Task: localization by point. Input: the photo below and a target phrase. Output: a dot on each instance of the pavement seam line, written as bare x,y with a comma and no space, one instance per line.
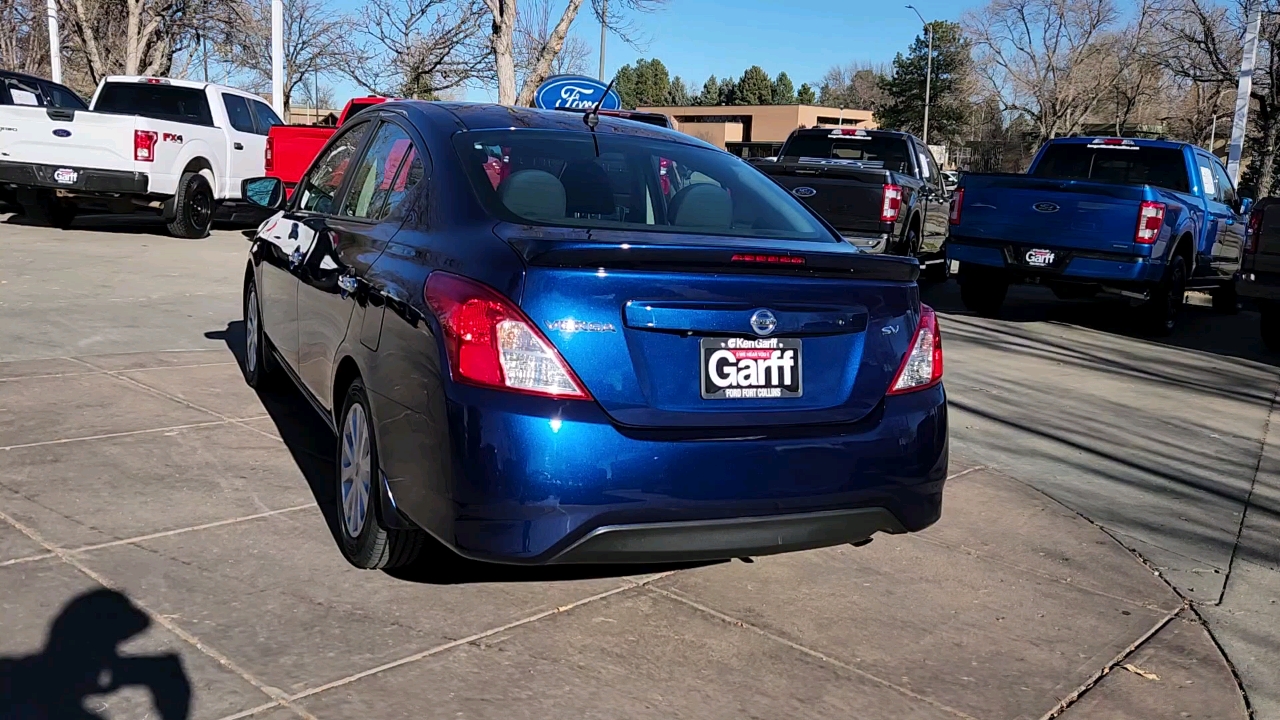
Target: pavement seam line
193,528
1094,679
159,619
1248,499
104,372
27,559
175,398
808,651
106,436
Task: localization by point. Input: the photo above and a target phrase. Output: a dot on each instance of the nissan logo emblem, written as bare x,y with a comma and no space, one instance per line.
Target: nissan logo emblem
763,322
804,192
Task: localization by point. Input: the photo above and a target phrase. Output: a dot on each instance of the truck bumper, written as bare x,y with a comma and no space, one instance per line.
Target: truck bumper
73,179
1259,286
1068,265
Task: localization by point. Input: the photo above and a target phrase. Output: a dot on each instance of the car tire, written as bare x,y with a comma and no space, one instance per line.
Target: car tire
983,290
193,207
1226,301
259,366
1270,325
1161,311
365,543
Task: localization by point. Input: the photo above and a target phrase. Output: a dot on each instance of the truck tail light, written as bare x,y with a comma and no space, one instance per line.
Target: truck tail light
1251,232
1150,220
957,205
922,367
892,204
144,145
492,344
269,158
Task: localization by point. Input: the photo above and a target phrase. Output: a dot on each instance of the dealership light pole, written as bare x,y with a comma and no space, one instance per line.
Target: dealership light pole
277,57
1245,86
604,25
55,42
928,73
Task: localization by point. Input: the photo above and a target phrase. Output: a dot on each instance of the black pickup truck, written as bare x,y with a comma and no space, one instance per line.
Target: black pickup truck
882,190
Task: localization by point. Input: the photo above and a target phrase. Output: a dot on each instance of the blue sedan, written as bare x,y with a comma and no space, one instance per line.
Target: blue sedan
544,337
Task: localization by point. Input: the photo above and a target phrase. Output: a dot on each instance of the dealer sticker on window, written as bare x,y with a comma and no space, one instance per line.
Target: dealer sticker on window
750,368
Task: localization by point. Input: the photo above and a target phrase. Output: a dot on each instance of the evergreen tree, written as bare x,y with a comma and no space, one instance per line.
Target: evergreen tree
903,106
754,87
727,92
678,95
784,92
710,92
653,83
806,95
624,83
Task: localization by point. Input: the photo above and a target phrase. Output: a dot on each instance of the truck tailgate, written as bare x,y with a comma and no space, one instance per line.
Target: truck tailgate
1068,214
84,140
848,197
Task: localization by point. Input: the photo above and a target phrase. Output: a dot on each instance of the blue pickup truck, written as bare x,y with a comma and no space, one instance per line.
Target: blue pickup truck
1146,219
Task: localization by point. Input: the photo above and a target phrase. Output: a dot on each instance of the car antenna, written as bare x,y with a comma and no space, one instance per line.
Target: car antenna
592,116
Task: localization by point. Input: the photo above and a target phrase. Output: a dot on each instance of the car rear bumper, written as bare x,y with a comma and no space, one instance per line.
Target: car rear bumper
86,180
1259,286
1070,264
525,485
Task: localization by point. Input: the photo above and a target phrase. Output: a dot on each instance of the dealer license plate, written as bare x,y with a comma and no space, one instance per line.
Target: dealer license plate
1040,258
65,176
751,368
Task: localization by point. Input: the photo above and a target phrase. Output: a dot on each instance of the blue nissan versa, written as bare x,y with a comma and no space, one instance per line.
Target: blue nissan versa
541,339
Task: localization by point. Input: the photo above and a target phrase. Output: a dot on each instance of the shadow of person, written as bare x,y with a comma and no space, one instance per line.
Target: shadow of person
81,659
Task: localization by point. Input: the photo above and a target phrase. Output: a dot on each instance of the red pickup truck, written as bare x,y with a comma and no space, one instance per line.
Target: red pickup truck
291,148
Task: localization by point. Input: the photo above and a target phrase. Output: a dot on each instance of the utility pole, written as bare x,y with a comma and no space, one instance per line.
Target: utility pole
277,57
928,73
55,42
1245,86
604,26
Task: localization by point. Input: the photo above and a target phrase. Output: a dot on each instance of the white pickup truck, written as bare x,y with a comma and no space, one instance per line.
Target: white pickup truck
176,147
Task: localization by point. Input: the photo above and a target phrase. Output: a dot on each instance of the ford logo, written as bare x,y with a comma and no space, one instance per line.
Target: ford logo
804,192
576,92
1045,207
62,133
763,322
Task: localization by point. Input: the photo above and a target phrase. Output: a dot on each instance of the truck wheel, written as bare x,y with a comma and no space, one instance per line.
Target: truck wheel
1270,326
193,207
1162,310
1225,300
982,290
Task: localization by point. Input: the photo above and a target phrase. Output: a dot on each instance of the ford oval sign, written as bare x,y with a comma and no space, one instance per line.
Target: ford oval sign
804,192
576,92
60,132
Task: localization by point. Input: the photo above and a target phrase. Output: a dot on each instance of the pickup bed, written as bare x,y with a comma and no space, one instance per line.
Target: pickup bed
881,190
174,147
1145,219
292,148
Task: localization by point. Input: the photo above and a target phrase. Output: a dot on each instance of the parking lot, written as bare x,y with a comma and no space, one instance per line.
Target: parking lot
1109,547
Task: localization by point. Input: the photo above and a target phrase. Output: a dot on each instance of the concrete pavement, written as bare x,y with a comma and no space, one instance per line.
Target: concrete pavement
161,475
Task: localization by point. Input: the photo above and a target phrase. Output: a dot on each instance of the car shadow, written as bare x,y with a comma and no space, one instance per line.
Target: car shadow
125,224
312,444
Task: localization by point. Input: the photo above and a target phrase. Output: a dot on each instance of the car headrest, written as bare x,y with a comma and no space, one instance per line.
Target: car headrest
701,205
533,194
587,189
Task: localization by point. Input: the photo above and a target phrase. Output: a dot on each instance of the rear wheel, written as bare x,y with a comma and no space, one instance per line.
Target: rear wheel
1162,310
193,207
982,290
259,366
365,543
1226,300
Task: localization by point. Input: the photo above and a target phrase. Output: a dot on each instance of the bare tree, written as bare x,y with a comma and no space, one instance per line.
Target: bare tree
316,41
1053,60
418,48
23,45
129,37
853,86
533,32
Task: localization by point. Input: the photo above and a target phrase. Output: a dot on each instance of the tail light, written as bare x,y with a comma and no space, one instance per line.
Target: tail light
144,145
1251,233
922,367
269,158
492,344
957,204
892,204
1150,220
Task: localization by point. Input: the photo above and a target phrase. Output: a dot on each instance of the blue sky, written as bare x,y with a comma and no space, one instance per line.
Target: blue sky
696,38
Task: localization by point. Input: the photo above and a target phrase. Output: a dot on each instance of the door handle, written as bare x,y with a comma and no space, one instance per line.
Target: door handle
348,283
295,258
238,146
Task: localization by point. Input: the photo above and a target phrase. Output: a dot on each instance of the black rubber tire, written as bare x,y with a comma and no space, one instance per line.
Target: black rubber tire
261,371
1074,292
52,211
983,290
1270,325
1161,311
906,247
194,206
375,547
1226,301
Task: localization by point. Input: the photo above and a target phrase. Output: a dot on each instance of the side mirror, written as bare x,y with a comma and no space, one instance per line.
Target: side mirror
1246,204
265,192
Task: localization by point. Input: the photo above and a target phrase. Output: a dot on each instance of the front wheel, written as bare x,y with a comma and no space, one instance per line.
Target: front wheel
365,543
1162,310
259,366
193,207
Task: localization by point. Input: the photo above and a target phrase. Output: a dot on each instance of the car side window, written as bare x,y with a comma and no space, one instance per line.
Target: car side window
1208,179
1226,192
318,190
238,112
379,183
24,93
265,116
60,97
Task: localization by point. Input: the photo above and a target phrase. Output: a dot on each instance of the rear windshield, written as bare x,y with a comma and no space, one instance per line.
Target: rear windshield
1120,164
160,102
628,182
869,151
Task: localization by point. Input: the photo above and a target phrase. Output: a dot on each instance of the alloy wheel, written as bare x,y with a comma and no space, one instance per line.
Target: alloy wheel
355,471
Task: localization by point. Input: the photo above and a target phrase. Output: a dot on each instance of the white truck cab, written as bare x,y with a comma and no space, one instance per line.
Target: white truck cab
175,146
